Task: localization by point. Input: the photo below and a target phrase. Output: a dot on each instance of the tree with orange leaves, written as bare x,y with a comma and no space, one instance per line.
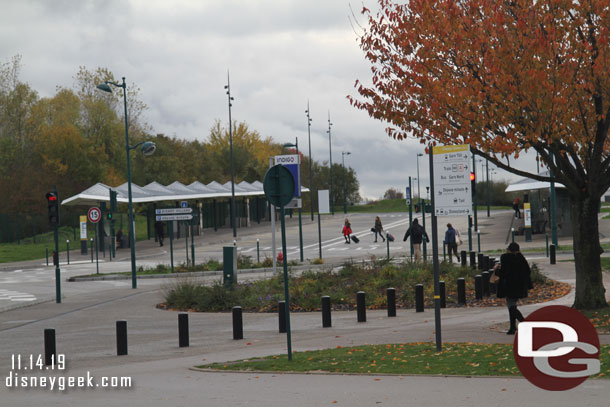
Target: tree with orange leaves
504,77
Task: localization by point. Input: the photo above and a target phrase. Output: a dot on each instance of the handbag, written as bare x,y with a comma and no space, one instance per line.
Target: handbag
373,230
458,238
493,278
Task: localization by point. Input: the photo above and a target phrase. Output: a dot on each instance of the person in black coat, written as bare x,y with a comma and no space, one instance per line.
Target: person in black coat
159,232
514,282
417,234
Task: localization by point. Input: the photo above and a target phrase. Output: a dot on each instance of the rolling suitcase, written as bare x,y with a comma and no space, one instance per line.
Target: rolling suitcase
355,239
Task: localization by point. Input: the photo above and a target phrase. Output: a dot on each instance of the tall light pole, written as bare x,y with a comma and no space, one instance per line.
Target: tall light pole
343,154
418,193
230,99
330,149
488,187
310,174
148,148
296,145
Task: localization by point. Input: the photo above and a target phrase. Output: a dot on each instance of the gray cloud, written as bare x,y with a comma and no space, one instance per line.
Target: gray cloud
280,53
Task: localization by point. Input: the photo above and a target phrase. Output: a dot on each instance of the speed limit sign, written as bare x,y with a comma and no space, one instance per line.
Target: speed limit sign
94,215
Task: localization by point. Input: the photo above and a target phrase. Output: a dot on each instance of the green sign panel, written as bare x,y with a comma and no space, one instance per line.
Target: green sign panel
278,185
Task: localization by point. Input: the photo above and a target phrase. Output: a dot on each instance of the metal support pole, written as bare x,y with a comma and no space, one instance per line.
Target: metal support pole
319,235
478,287
411,215
391,298
238,327
419,298
121,338
171,244
183,330
443,295
50,349
461,289
388,244
326,316
281,313
361,306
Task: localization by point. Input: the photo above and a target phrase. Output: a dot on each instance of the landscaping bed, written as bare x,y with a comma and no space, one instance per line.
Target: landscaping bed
373,277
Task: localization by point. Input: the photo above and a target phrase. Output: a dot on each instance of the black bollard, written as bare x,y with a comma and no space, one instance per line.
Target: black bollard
461,288
478,287
50,351
463,257
553,253
486,263
361,305
419,298
281,316
183,330
442,293
391,295
480,261
473,260
326,319
238,328
485,277
121,338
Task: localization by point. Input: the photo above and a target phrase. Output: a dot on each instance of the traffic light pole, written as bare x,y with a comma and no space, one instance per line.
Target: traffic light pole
57,269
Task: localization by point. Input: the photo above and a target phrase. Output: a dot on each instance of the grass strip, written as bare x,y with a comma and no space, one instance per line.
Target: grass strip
459,359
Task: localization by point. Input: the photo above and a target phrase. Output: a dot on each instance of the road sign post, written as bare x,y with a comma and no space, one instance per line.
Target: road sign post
451,196
279,189
94,215
293,164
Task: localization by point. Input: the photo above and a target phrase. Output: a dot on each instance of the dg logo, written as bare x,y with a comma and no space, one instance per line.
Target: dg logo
557,348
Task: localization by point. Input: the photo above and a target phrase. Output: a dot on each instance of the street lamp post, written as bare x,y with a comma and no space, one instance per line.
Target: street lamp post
330,150
488,187
148,148
230,99
343,154
310,174
418,193
296,145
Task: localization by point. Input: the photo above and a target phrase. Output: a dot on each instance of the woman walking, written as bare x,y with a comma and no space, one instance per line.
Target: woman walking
347,231
378,229
451,240
515,281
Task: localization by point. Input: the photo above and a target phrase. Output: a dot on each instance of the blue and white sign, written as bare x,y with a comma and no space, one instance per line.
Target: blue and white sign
408,195
184,204
293,163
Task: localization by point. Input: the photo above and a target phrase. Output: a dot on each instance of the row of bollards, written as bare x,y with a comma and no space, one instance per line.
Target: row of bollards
482,289
50,348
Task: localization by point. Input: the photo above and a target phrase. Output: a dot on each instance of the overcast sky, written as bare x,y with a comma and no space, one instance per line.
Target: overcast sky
280,54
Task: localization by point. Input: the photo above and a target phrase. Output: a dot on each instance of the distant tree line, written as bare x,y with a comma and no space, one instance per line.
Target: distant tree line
76,138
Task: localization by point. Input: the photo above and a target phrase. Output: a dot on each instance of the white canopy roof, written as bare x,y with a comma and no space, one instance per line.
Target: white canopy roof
527,184
155,192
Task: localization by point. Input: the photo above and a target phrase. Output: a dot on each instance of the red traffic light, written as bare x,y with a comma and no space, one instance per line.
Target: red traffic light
51,197
472,176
